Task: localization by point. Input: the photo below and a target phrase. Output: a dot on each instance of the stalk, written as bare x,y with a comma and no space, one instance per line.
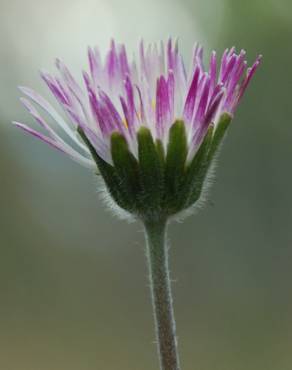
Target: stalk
162,302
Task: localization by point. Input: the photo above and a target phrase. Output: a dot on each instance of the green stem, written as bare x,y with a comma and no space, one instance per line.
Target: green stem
157,254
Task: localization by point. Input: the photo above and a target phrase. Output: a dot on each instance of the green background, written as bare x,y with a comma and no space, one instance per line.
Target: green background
73,281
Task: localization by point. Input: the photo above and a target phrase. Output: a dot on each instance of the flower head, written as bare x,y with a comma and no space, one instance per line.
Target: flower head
148,115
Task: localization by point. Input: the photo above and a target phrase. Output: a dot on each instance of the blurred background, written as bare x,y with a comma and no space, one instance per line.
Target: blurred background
73,281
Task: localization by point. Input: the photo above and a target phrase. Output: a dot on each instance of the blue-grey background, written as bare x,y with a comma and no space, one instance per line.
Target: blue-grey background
73,282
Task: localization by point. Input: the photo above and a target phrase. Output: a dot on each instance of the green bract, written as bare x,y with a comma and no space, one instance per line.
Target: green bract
158,184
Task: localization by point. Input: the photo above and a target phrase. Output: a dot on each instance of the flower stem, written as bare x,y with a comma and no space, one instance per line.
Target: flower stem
157,255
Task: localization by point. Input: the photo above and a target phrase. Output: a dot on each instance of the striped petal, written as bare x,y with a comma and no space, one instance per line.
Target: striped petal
153,90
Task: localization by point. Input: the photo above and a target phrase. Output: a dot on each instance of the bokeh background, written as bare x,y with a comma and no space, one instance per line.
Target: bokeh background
73,281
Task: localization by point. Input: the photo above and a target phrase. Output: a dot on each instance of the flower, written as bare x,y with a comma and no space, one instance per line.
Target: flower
132,108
